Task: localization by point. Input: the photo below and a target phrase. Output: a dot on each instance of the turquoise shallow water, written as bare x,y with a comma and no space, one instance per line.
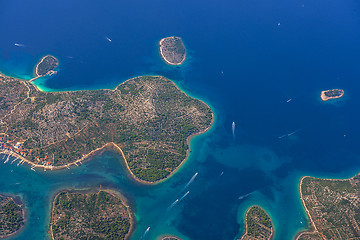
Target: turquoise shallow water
242,63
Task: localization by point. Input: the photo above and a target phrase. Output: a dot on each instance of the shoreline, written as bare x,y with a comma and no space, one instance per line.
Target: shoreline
112,145
161,237
37,66
163,57
36,69
326,98
313,229
113,192
246,223
127,206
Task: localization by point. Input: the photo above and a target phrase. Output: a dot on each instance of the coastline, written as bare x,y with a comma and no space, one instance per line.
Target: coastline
313,229
246,223
246,226
326,98
37,66
168,62
128,207
36,69
188,139
113,192
161,237
112,145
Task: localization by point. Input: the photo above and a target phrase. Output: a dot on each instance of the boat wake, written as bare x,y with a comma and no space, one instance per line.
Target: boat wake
190,181
19,44
107,38
289,134
146,231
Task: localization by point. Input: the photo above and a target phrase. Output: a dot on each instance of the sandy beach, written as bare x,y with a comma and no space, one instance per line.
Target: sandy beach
163,57
246,223
314,229
326,98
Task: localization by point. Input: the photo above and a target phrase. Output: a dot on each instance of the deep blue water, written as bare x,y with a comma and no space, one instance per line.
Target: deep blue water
241,62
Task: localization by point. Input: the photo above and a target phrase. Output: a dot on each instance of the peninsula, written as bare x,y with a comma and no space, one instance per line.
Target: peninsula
332,206
46,66
90,215
331,94
172,50
147,119
258,225
11,215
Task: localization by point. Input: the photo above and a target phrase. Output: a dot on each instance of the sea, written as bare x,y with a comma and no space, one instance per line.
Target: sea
258,63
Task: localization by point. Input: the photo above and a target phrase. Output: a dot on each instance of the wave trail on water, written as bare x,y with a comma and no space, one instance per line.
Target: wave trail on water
292,133
107,38
173,204
19,44
177,201
184,195
233,129
190,181
144,235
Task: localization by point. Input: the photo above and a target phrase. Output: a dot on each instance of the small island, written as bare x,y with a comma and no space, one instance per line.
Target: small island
168,237
90,215
46,66
172,50
258,225
333,207
12,217
148,120
331,94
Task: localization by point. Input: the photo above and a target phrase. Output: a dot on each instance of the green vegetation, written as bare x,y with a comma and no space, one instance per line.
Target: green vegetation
148,117
258,224
11,216
334,207
172,50
46,65
80,215
334,93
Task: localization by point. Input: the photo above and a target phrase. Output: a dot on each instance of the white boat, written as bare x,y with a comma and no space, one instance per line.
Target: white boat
233,128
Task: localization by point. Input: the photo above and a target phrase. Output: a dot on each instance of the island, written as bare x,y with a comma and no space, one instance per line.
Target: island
172,50
331,94
333,207
168,237
12,215
46,66
85,214
258,224
148,120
